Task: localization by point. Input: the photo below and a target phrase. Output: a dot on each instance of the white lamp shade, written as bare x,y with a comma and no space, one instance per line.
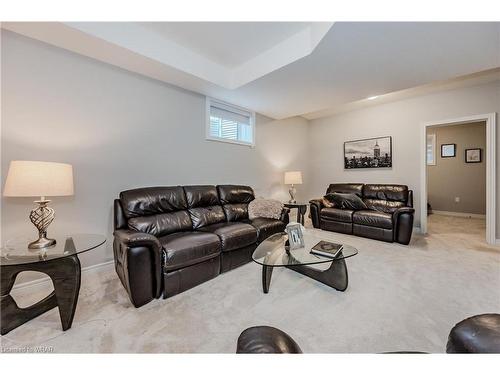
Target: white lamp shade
38,179
293,178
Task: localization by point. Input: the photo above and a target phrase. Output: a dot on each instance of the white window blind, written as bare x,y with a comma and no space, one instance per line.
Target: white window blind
228,123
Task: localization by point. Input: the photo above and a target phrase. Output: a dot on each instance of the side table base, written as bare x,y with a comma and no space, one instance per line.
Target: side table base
65,274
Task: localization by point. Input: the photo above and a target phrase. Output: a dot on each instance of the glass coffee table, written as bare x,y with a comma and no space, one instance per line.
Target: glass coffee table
274,252
60,262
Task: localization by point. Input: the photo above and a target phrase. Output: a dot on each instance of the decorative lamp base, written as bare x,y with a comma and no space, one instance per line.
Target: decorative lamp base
41,217
292,191
41,243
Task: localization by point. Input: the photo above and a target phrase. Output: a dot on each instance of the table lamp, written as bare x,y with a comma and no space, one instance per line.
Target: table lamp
39,179
293,178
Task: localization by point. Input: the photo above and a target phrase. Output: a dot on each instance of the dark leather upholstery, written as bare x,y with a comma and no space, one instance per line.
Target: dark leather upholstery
119,219
158,211
138,264
336,226
235,199
204,206
266,340
315,206
383,206
267,227
172,238
386,192
477,334
184,249
346,188
233,235
161,224
337,214
373,219
180,280
389,216
235,258
152,201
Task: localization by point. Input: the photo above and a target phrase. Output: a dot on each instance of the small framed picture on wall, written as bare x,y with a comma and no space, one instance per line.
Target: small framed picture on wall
473,155
449,150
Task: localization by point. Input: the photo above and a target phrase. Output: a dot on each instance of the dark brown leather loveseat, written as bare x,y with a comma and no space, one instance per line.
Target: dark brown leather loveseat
388,217
170,239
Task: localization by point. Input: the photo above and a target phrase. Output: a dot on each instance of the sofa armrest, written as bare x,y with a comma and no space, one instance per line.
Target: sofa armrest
316,205
403,224
285,217
133,238
138,261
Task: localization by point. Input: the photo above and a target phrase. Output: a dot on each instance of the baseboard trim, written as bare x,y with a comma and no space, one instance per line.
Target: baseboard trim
459,214
46,278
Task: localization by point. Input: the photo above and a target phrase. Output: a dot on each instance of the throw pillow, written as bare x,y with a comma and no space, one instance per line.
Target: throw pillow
327,202
347,201
269,208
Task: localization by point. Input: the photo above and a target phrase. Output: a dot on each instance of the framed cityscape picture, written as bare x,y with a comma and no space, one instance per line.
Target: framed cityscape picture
473,155
368,153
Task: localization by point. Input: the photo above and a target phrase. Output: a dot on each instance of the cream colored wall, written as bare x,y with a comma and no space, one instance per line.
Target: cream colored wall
453,177
403,121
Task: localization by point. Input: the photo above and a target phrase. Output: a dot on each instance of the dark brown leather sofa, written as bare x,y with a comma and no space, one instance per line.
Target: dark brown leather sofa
170,239
389,216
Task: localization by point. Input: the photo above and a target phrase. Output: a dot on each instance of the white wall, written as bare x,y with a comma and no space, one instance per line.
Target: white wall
120,130
402,120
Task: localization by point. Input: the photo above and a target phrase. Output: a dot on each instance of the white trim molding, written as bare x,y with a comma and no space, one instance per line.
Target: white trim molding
45,279
490,119
459,214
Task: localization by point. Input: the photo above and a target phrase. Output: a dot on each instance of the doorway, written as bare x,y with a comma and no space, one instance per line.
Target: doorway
458,174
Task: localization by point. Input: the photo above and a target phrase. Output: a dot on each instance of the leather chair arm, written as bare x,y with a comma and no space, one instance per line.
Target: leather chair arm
285,215
138,261
316,205
132,238
403,224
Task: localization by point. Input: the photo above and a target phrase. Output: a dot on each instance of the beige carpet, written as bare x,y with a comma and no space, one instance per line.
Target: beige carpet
399,298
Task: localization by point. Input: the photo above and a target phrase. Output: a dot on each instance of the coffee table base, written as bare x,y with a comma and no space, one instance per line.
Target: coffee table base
335,276
65,274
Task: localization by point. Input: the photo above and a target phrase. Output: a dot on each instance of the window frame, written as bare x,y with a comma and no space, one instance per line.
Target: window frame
240,110
433,144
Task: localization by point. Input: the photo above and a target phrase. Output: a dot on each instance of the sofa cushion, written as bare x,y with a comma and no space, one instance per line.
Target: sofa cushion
325,201
373,219
161,224
383,205
337,214
203,205
386,192
267,227
235,194
234,200
346,188
233,235
152,201
156,210
183,249
347,201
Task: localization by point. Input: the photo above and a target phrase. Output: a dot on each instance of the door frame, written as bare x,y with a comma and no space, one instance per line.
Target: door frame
490,119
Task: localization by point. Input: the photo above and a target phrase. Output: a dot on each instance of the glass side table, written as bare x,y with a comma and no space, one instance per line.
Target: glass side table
59,262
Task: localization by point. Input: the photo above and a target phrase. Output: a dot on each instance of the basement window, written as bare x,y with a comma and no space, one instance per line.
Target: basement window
229,123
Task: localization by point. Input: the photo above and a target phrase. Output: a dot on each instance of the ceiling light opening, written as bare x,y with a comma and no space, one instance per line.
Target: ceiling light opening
372,97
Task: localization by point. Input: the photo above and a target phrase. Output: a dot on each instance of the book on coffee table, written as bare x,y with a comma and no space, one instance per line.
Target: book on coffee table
327,249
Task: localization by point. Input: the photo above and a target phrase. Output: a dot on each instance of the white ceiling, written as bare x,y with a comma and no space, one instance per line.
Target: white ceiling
227,43
285,69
